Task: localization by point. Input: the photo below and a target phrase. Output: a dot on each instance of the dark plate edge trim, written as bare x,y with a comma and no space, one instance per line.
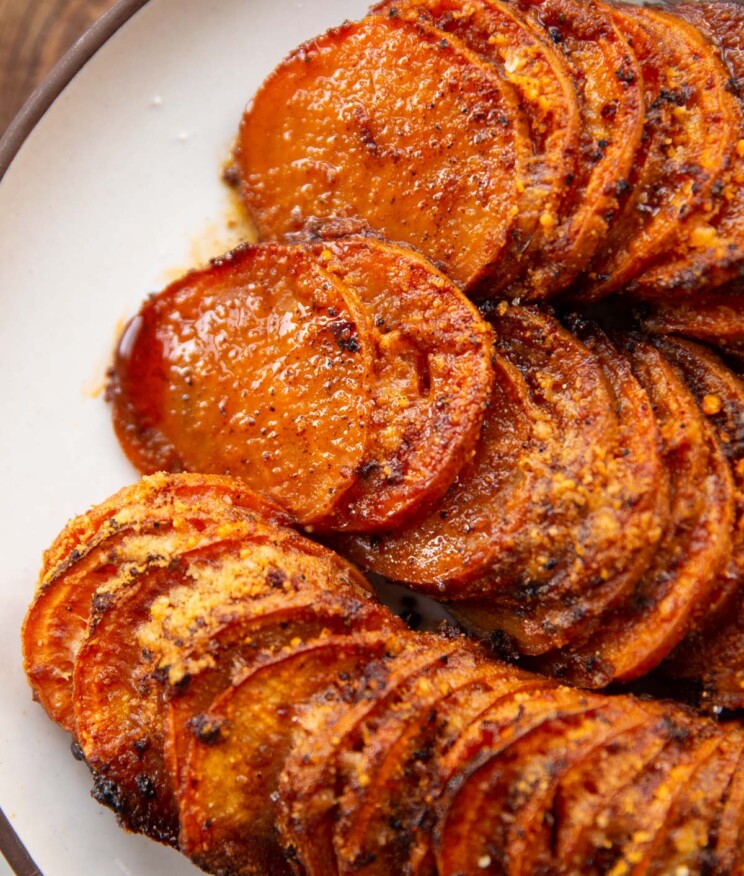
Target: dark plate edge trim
13,850
30,114
60,76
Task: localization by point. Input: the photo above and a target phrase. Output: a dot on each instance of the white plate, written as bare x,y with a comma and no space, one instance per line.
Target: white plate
107,196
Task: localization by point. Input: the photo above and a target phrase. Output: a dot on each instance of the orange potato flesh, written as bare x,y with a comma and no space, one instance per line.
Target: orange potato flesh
672,595
485,525
435,160
140,526
258,366
716,255
243,639
624,519
497,811
717,319
330,744
402,781
241,743
693,121
433,379
688,836
500,35
608,83
631,818
711,653
118,711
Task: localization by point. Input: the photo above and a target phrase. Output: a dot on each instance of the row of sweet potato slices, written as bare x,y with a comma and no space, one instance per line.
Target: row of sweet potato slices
581,493
528,148
236,693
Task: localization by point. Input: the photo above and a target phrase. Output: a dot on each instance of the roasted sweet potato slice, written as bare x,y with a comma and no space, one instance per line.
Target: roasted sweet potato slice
728,831
383,826
714,318
438,159
118,722
483,521
240,745
630,818
696,547
693,121
526,58
506,533
687,839
625,516
584,790
608,83
258,366
433,379
715,254
142,526
710,653
495,820
332,742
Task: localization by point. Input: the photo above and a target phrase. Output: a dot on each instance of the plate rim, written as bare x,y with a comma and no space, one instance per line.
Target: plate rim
59,77
26,119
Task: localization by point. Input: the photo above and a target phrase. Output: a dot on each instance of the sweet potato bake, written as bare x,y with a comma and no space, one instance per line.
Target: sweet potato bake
237,692
488,346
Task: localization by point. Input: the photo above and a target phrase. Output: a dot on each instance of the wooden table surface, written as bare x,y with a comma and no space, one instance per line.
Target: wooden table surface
34,34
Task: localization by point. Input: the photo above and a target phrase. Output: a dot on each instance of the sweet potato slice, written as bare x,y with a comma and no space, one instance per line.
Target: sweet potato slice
331,744
482,522
729,834
383,826
631,818
118,723
710,653
687,838
716,318
142,526
495,822
715,255
696,547
625,516
437,159
584,790
258,366
500,35
241,743
693,123
608,82
433,379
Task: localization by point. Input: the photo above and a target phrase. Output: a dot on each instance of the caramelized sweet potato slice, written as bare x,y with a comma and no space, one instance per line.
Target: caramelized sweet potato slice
332,740
715,254
383,826
716,319
687,839
713,653
524,57
437,159
609,86
142,526
118,722
631,819
433,379
258,366
490,521
693,120
494,821
696,547
241,743
584,790
625,516
728,829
